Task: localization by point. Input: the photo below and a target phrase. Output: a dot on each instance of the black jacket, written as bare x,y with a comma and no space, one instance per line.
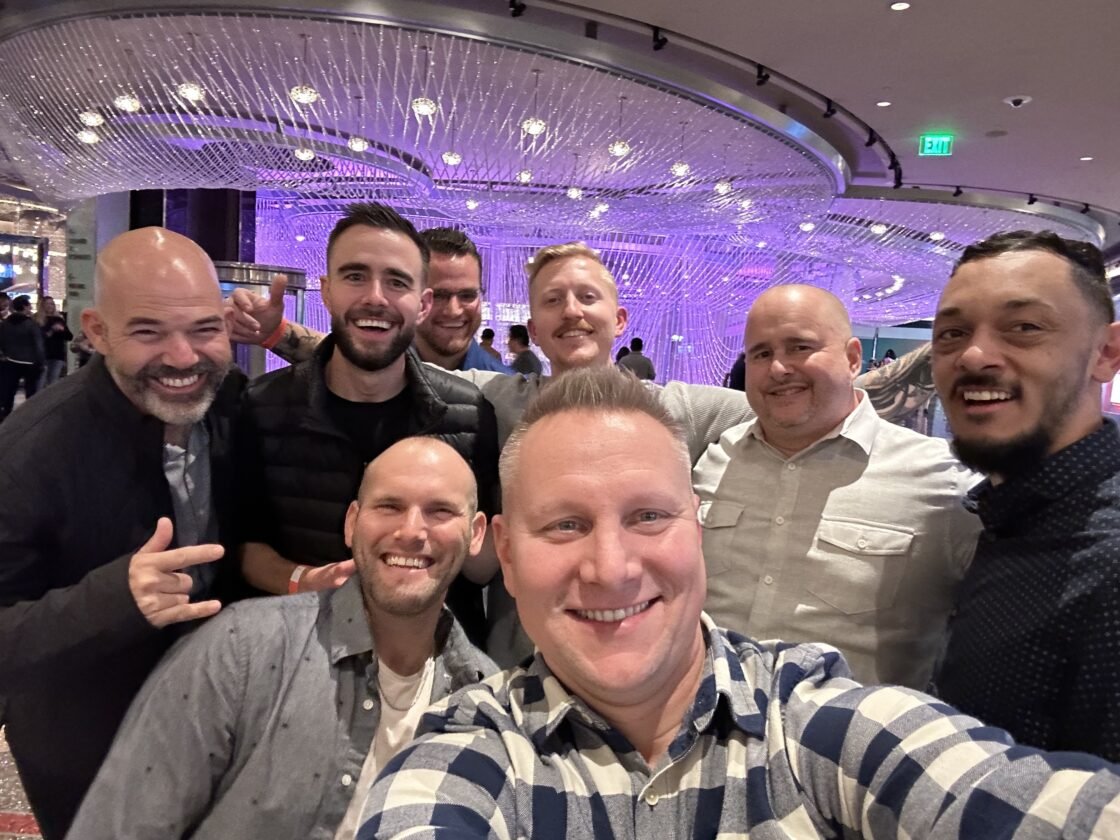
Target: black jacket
81,488
21,339
301,472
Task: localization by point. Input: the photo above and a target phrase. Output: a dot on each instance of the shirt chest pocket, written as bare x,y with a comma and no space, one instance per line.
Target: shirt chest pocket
856,567
718,520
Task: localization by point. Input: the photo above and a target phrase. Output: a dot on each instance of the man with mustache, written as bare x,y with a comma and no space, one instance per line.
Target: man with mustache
307,431
1023,340
821,521
273,720
115,492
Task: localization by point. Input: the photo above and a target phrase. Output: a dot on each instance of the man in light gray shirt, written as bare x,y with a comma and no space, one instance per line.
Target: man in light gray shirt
273,719
821,521
637,362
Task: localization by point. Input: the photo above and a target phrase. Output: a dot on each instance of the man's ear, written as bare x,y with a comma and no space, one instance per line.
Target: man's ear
1107,360
93,325
501,547
620,321
478,533
348,525
854,351
427,296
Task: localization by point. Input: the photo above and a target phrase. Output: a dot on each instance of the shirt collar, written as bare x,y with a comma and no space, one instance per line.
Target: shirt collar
860,427
546,703
1083,463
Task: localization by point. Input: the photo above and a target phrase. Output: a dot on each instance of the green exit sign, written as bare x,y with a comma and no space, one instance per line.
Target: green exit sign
935,145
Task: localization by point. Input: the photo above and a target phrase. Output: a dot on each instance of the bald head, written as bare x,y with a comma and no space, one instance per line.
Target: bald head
801,363
158,321
828,310
420,456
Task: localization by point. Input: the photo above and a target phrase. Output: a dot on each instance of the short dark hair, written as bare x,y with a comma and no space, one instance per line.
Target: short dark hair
20,303
487,334
636,344
374,215
1085,259
519,332
451,243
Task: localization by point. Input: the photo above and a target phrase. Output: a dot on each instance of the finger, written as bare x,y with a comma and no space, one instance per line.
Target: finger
277,289
160,539
181,558
172,583
184,612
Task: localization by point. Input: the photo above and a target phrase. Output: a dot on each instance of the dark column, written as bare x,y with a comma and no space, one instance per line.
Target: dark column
145,209
222,222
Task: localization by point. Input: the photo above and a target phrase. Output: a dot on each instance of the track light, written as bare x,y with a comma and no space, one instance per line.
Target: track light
761,76
516,8
898,177
958,192
659,40
1031,198
872,139
1085,208
829,109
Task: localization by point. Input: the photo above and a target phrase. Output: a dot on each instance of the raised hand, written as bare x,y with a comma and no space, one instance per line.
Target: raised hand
160,589
330,576
253,318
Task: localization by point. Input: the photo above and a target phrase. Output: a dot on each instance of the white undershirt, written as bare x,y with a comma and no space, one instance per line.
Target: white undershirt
403,702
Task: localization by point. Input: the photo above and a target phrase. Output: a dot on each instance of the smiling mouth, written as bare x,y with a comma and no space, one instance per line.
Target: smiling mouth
614,616
400,561
173,383
787,390
372,324
985,396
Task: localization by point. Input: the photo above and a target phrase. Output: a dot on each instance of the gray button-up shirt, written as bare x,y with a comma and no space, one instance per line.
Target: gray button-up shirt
256,725
859,541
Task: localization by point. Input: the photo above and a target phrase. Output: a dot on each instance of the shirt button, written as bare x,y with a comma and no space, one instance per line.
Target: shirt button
861,543
781,520
347,780
768,580
791,466
651,798
367,704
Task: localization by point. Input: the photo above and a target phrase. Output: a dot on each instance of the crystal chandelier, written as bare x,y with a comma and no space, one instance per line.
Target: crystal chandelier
304,94
305,154
525,176
422,106
88,137
127,102
575,193
91,119
357,144
680,167
534,126
723,186
619,148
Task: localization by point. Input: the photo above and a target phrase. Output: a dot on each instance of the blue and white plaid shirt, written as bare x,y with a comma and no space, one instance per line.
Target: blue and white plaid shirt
779,743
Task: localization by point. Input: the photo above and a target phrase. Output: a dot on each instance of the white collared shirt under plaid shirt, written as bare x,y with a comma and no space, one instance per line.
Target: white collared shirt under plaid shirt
779,743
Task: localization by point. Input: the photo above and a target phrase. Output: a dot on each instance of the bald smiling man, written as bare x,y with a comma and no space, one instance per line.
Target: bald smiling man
112,489
823,522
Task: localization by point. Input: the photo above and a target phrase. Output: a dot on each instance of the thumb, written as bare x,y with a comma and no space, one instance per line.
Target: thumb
342,572
277,289
161,539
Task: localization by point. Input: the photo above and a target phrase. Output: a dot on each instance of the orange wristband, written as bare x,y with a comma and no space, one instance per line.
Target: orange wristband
277,334
293,581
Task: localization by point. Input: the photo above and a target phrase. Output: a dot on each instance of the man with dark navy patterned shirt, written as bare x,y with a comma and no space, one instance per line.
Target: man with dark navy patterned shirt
1023,340
638,717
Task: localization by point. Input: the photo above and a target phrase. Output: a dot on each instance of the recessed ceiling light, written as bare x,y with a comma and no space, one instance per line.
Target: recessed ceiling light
357,144
91,119
937,236
128,103
878,228
1087,157
883,104
899,7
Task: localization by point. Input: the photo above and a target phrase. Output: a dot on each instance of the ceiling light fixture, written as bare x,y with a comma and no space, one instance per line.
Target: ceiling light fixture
619,148
127,102
357,143
602,207
303,93
937,236
422,106
452,157
723,186
899,7
575,193
659,39
829,109
472,204
883,104
525,176
1031,198
534,126
958,192
761,77
191,91
878,228
746,204
88,137
305,154
91,119
300,237
1087,157
806,227
680,167
760,244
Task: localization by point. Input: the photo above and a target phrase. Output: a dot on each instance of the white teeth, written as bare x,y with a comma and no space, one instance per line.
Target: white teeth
610,616
410,562
986,396
573,334
182,382
370,322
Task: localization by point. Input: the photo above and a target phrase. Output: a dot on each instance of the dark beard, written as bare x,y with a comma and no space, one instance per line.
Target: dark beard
370,360
1007,459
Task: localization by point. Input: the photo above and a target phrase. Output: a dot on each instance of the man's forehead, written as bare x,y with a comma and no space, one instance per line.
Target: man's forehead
454,272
